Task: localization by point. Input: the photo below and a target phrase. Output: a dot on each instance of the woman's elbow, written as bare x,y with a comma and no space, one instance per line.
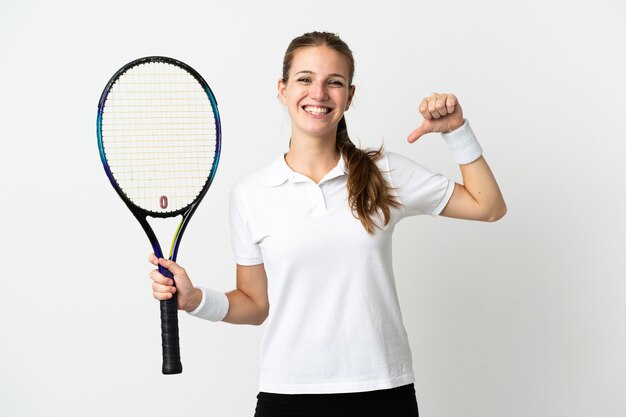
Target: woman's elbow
497,213
261,316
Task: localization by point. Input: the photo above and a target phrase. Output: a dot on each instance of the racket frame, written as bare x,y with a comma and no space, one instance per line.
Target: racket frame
169,309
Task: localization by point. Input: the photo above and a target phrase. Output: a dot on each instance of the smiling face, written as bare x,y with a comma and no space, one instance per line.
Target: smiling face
317,91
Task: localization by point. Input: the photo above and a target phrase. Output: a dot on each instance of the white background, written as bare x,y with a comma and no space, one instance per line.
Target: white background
523,317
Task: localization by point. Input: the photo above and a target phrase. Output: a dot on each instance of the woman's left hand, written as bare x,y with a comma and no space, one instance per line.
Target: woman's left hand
442,113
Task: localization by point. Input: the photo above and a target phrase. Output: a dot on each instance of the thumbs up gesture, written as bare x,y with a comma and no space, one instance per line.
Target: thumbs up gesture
441,112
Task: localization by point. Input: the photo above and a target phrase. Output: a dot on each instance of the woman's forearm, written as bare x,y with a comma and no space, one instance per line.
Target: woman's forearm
479,197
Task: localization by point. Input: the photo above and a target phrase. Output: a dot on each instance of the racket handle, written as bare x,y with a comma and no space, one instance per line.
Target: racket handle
169,335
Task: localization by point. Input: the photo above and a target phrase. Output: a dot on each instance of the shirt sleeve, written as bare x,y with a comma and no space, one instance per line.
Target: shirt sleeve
420,190
245,249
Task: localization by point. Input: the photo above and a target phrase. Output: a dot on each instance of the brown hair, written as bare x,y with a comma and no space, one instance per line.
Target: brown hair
369,194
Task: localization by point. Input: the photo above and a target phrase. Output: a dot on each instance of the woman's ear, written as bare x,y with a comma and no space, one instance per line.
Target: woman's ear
281,91
350,96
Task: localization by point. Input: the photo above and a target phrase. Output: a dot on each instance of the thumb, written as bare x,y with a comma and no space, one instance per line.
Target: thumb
417,133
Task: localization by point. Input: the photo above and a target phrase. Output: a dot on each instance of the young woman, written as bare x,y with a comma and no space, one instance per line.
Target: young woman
312,235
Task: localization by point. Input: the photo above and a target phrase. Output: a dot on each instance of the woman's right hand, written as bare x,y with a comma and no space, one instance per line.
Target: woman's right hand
163,288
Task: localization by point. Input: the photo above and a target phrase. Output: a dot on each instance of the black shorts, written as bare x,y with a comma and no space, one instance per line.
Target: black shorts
394,402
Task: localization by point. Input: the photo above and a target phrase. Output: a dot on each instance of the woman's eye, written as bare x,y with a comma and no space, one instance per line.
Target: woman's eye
304,80
335,83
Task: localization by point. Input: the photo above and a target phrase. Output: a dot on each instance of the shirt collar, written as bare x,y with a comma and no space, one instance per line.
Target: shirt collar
279,172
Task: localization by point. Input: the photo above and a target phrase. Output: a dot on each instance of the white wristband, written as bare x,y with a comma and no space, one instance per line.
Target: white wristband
213,307
463,144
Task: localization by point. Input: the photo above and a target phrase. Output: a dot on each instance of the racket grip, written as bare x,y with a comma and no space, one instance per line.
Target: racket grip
169,337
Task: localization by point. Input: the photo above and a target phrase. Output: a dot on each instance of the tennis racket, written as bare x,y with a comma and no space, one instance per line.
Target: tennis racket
159,137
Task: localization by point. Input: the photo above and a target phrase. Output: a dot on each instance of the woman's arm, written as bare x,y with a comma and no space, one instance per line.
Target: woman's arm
479,197
247,304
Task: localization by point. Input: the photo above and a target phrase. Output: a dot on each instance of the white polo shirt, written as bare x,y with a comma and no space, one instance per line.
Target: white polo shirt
334,323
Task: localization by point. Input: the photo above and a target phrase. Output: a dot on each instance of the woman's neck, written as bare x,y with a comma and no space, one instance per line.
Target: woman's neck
313,157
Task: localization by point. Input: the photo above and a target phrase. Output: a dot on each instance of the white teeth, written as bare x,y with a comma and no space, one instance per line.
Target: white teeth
316,110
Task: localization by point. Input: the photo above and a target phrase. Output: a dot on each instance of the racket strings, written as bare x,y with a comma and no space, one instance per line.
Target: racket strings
159,136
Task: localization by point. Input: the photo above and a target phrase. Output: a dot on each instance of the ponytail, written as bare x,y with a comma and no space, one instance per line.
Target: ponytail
369,194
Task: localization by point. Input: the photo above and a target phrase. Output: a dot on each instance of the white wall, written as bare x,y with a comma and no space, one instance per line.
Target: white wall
523,317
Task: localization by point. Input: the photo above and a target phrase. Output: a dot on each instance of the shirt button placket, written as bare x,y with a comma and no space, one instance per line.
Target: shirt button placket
320,206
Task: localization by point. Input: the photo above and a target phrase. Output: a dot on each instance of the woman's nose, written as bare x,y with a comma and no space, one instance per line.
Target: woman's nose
318,91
